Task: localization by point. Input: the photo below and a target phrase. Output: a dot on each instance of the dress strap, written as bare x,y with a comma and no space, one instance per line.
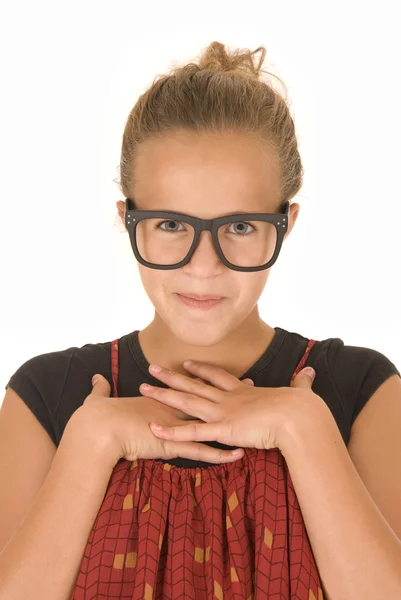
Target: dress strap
114,366
114,363
303,360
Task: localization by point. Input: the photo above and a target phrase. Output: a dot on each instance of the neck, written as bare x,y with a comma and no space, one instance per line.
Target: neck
235,353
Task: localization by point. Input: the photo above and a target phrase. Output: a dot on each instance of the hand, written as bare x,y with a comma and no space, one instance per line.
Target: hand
119,427
233,413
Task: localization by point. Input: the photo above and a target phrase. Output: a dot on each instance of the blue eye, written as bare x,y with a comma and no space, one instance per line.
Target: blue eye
243,223
239,233
169,221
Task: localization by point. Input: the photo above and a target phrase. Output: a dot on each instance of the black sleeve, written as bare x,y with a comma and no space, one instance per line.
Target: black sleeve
358,372
39,382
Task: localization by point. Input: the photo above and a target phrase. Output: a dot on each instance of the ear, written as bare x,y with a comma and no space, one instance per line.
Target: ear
120,206
292,217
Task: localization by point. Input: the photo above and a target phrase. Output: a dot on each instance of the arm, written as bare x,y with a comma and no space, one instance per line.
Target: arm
43,558
357,553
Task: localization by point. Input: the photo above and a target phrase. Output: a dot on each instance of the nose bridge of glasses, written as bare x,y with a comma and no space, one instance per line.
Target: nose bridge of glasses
205,232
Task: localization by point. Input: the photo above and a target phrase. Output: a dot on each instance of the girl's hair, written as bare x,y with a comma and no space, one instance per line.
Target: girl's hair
221,92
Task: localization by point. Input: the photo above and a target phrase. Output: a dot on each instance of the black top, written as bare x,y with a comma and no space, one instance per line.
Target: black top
54,385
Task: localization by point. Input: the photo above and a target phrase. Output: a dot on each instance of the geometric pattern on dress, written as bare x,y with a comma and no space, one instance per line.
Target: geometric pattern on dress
230,531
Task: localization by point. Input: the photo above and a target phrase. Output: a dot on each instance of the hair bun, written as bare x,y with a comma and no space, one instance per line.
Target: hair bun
216,58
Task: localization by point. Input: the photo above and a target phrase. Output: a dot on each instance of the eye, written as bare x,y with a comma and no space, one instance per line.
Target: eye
169,222
242,228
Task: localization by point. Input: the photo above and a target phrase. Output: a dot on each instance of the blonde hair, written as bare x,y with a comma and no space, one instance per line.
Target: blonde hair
221,92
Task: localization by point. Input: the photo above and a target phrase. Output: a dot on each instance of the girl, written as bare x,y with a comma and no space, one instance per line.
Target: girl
127,510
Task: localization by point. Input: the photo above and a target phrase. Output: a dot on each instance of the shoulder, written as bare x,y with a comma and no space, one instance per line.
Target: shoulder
357,371
347,375
54,384
353,372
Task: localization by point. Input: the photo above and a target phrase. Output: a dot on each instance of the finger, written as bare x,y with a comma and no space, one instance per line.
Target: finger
217,376
193,432
183,383
304,379
202,452
201,408
100,387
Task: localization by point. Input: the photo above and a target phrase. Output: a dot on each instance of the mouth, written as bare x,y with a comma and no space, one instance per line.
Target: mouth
204,303
201,297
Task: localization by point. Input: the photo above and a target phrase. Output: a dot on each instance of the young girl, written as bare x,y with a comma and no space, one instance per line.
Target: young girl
120,509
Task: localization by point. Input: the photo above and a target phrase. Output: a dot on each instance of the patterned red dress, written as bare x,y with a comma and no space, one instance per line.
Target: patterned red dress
226,532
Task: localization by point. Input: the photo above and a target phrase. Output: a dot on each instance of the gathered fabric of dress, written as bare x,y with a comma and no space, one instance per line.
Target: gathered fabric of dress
230,531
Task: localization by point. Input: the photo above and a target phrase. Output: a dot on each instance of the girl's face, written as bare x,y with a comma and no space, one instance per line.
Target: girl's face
206,176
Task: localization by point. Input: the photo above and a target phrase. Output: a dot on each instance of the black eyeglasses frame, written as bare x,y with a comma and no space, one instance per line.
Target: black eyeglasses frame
133,216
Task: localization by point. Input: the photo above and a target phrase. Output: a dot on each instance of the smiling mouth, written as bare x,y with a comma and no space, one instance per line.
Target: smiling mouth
199,304
200,297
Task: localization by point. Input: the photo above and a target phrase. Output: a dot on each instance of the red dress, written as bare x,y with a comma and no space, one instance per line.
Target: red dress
230,531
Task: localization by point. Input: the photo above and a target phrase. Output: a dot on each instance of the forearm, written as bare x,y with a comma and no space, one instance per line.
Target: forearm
43,558
357,553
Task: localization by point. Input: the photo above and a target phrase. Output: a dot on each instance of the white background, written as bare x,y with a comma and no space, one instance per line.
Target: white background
70,74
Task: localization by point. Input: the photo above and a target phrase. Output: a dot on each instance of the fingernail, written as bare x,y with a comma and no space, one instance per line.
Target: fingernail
311,372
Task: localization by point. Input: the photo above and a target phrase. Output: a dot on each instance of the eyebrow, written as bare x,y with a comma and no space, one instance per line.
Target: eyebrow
243,212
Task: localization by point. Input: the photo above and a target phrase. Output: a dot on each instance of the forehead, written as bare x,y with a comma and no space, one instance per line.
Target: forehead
205,173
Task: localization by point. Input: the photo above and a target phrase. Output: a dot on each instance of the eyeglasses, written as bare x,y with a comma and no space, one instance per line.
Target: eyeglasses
253,249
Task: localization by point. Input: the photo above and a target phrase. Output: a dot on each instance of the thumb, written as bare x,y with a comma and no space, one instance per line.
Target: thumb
248,381
100,387
305,378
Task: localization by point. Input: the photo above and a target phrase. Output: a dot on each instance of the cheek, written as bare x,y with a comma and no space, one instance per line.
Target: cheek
154,282
251,286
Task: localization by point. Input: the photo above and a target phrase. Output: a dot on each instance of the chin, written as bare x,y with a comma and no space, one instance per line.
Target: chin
198,333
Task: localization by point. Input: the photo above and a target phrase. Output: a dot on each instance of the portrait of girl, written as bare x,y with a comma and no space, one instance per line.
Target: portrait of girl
209,454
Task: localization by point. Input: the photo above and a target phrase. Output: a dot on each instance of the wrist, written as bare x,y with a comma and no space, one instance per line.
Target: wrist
82,435
307,416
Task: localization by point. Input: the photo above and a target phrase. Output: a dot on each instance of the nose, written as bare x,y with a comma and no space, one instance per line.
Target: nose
205,256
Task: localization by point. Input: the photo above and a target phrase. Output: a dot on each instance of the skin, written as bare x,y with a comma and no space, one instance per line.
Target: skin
207,176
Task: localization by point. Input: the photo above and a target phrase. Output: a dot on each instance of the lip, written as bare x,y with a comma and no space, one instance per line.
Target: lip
199,304
201,297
